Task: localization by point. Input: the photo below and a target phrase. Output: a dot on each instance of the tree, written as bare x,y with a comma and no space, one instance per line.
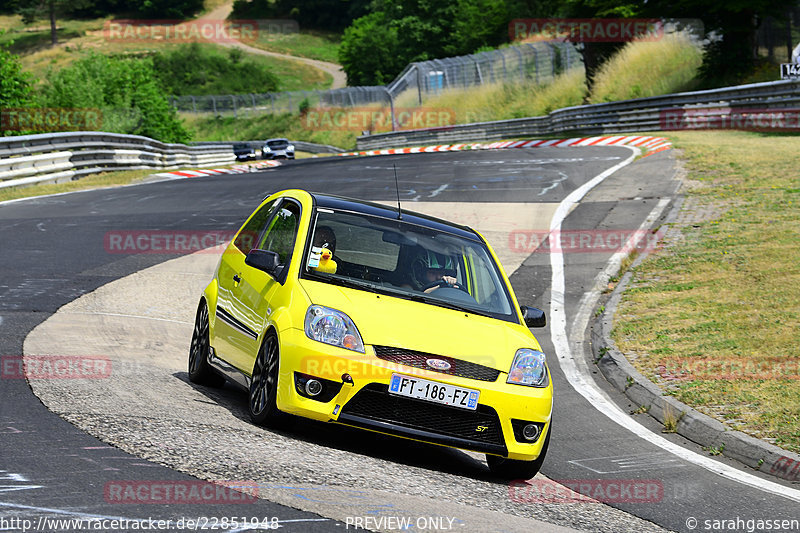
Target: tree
52,9
331,15
369,51
376,47
166,9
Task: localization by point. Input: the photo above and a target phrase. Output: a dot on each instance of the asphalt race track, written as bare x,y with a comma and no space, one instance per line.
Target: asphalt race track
317,477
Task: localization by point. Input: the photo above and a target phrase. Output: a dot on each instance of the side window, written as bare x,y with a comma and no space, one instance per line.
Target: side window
281,232
247,238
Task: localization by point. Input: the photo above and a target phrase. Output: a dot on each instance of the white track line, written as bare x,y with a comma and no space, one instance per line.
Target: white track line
584,384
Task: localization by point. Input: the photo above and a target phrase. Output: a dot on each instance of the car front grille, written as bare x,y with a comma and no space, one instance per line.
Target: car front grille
374,407
458,367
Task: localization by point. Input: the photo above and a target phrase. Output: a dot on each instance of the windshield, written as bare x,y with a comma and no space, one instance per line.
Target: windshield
277,144
406,260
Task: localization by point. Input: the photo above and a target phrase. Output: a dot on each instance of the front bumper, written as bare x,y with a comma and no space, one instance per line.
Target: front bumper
280,154
367,404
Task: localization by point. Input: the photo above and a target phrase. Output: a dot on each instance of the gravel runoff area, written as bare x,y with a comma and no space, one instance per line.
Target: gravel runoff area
147,406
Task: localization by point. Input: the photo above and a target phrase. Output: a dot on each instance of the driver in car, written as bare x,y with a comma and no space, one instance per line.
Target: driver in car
433,270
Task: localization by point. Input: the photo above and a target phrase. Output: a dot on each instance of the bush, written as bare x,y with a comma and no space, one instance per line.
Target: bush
126,91
197,70
15,85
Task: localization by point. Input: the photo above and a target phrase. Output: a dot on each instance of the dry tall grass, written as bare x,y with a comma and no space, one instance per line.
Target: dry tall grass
651,68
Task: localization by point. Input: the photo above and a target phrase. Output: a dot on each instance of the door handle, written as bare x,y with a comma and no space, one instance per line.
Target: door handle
237,278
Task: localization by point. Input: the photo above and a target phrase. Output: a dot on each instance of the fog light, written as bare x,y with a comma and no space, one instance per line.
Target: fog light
313,387
530,431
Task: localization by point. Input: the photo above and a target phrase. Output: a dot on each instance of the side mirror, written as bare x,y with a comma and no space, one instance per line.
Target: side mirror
534,317
263,260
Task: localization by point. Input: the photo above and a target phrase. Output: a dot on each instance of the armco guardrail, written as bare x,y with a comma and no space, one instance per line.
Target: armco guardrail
54,157
642,114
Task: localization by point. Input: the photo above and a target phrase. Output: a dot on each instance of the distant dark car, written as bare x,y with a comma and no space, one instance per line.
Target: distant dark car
278,149
244,152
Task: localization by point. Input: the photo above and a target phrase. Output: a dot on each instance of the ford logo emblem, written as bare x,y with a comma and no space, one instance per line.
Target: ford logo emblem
438,364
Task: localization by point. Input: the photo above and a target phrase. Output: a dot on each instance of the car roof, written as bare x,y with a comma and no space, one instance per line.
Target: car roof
283,139
379,210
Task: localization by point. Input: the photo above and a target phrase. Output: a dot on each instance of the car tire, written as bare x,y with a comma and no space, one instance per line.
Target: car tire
200,371
264,384
514,469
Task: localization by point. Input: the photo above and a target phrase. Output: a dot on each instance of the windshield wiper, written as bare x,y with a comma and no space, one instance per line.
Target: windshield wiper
448,305
345,282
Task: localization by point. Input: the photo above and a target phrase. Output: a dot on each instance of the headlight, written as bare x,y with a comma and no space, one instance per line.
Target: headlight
267,149
333,327
528,368
290,148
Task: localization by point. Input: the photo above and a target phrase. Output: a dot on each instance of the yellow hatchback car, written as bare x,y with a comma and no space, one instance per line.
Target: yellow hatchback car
378,318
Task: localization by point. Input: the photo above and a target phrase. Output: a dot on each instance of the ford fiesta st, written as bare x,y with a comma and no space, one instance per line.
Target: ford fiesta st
378,318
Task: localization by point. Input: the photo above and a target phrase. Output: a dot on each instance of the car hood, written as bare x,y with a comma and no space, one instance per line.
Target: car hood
396,322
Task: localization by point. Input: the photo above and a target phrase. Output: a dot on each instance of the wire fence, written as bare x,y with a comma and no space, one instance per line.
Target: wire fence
535,63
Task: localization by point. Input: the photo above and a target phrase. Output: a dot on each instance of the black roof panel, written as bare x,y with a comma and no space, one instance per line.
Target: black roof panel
379,210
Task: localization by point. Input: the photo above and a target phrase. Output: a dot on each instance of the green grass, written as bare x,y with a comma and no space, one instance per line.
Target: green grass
95,181
26,42
643,69
294,75
723,302
311,44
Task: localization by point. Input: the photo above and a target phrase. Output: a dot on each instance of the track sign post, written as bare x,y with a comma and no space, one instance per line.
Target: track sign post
790,71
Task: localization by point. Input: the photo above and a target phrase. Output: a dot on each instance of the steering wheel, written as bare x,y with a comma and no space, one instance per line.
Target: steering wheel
443,283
